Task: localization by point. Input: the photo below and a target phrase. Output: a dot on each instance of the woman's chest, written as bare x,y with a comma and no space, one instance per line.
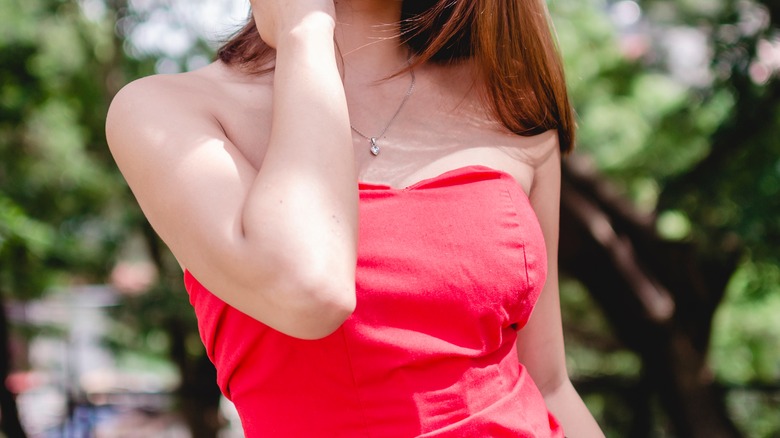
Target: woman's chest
465,244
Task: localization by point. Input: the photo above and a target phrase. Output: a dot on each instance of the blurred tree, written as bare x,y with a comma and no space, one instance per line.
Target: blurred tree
678,107
53,191
65,212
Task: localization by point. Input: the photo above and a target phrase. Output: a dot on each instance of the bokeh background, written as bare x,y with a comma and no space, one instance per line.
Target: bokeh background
670,223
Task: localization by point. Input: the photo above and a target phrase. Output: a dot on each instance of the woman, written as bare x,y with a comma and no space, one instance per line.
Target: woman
400,305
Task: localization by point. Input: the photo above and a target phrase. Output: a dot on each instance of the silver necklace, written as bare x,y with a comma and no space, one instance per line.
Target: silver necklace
372,140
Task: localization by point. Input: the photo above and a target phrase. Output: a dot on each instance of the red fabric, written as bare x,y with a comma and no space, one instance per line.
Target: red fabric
448,270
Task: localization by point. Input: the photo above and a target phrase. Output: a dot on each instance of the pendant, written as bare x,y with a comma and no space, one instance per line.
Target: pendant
374,147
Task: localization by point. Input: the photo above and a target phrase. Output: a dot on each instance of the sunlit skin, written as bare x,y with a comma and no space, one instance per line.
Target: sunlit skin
257,196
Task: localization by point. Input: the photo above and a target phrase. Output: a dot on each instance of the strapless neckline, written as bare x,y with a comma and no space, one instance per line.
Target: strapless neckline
441,179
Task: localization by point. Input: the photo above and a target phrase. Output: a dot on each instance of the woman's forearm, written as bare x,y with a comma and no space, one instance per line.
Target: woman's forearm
302,207
571,412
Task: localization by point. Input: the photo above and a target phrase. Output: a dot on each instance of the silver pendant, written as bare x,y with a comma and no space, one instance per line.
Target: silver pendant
374,147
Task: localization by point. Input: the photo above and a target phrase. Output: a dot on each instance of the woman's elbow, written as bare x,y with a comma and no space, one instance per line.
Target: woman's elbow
314,306
325,313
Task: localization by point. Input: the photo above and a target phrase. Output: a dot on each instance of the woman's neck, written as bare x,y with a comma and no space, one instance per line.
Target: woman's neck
368,39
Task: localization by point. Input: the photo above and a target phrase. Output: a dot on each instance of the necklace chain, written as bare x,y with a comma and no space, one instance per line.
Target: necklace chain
372,140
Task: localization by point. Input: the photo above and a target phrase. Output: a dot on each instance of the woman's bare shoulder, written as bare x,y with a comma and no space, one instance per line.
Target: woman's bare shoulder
157,100
533,150
156,118
187,93
216,101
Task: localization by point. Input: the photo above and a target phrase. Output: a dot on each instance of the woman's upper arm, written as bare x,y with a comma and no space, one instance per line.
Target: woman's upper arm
540,343
193,185
189,180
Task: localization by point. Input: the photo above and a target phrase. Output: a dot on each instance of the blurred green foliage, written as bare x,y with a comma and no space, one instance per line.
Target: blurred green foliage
58,192
703,156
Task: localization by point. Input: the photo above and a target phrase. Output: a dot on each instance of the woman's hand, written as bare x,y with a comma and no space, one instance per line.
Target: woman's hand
276,19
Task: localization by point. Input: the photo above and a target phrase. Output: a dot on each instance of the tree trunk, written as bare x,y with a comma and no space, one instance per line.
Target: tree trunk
659,296
199,394
9,412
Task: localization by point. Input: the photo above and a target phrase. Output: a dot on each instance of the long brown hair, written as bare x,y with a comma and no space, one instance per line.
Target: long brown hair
509,41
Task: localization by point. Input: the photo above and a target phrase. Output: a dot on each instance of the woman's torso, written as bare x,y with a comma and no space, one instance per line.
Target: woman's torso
443,130
448,271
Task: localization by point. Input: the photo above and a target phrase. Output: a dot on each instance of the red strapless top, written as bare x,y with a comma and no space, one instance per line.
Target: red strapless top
448,270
